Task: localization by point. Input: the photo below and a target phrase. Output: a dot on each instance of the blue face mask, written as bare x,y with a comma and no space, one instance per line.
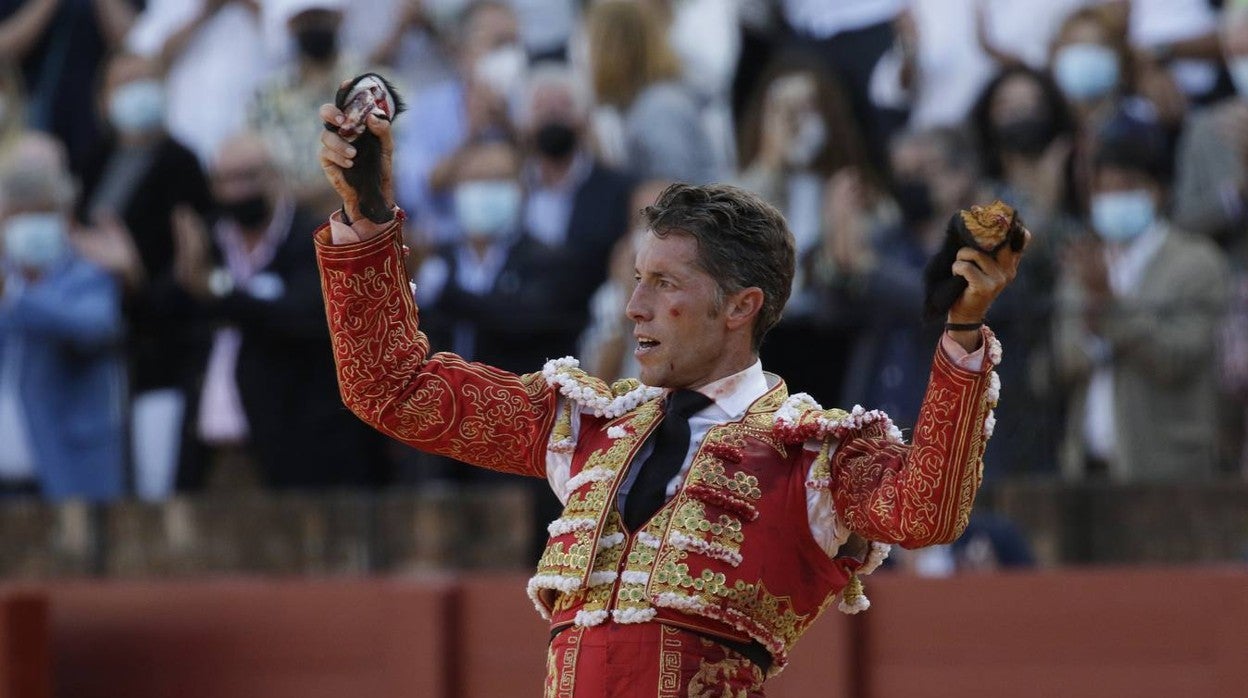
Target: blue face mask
1085,71
35,240
487,208
1121,216
137,107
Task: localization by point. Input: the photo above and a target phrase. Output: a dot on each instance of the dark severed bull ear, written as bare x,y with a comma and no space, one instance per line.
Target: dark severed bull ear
367,94
986,228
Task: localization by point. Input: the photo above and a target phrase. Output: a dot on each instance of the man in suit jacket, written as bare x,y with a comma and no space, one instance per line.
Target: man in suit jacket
1137,311
267,384
689,562
62,372
572,202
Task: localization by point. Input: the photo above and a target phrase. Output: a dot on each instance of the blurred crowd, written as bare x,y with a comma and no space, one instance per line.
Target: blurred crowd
161,326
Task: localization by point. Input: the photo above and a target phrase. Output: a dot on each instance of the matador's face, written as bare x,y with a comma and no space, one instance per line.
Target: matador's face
678,315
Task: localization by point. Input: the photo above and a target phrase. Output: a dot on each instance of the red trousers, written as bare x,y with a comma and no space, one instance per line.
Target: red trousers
646,660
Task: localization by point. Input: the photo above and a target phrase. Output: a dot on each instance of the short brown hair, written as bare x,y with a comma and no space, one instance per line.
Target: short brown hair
743,241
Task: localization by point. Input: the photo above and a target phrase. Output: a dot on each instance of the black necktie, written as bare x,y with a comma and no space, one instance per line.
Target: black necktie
671,445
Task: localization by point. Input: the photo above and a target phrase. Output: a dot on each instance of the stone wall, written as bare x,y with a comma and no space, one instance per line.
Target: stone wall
333,533
351,533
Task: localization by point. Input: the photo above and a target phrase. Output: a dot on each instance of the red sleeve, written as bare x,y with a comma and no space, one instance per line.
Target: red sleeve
921,493
438,403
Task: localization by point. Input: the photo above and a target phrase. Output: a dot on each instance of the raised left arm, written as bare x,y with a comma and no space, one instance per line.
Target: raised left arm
921,493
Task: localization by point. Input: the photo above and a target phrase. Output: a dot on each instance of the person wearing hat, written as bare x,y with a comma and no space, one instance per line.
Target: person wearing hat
1138,306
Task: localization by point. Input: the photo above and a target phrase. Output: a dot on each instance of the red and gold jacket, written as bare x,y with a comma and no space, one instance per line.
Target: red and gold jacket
732,553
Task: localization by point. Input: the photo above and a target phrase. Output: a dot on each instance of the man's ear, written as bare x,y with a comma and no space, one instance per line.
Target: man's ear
742,307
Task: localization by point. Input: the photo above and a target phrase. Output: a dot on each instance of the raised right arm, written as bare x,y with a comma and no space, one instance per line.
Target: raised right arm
437,403
434,402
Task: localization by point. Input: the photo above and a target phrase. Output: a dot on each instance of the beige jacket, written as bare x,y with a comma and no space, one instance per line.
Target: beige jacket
1162,349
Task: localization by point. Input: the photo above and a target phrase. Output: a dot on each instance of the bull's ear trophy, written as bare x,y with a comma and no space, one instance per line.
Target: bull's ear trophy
986,228
364,95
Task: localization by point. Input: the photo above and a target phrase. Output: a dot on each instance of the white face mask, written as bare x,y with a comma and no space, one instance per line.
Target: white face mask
487,208
808,141
503,69
1121,216
1237,66
1085,71
137,107
35,240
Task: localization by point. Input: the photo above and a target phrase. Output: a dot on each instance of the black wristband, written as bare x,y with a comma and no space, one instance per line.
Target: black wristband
963,326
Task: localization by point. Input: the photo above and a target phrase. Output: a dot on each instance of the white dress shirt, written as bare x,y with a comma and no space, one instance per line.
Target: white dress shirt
1126,266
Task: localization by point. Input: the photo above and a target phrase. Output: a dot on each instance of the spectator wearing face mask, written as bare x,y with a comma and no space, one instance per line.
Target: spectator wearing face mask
500,295
266,400
472,105
1211,187
213,52
133,185
868,272
62,372
281,104
572,201
648,122
1025,138
1096,70
502,292
1137,310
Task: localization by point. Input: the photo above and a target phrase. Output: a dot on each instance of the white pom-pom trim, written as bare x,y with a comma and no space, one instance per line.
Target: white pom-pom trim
635,577
790,413
879,553
558,376
994,351
587,619
602,577
563,525
610,540
648,540
994,388
859,605
633,615
589,475
680,602
697,545
990,423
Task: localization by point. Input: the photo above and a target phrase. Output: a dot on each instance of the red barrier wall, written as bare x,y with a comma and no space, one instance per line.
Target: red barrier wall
1103,633
251,639
25,648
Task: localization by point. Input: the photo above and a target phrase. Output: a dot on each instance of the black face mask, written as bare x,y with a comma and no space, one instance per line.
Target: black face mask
914,198
1028,136
555,140
317,43
249,212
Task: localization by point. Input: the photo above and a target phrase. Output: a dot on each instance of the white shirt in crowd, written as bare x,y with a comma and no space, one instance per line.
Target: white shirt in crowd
210,84
1126,266
821,19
